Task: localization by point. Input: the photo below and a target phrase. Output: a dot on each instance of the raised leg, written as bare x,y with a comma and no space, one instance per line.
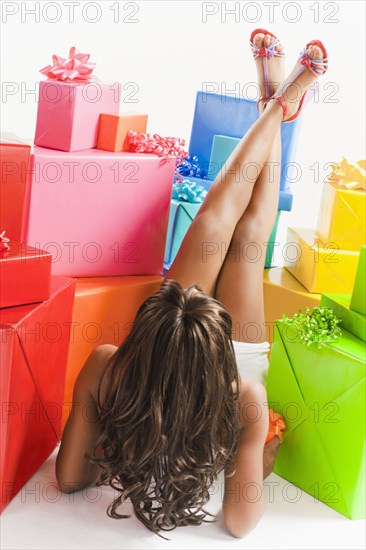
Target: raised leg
203,250
240,282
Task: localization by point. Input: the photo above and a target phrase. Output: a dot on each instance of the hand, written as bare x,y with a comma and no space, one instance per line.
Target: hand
269,455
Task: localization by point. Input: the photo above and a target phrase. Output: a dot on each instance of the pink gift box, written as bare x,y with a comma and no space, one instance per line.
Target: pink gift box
68,113
100,213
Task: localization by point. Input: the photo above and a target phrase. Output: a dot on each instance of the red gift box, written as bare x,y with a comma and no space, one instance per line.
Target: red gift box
14,162
25,275
33,353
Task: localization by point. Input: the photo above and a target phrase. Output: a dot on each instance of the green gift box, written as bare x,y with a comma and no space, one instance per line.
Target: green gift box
320,392
352,321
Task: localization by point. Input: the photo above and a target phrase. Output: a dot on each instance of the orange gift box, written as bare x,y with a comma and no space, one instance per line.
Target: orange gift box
104,310
113,129
14,162
25,275
33,354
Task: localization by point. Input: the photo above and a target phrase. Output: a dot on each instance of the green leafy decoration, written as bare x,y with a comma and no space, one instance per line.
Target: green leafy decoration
316,327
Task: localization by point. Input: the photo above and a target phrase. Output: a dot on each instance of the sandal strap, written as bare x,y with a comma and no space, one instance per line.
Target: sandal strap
282,103
316,66
306,62
265,53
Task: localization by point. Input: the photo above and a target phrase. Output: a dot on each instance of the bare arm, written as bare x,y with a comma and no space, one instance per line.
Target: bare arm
82,429
243,503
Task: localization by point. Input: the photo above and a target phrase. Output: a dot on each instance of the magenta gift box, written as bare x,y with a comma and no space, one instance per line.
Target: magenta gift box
100,213
68,113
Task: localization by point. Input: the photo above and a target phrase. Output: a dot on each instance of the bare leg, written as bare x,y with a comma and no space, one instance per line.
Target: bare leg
240,282
203,250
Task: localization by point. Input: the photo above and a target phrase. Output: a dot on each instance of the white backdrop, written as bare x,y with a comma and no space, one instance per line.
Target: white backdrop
163,52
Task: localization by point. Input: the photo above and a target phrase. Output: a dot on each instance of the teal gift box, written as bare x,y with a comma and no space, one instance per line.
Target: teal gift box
320,392
180,218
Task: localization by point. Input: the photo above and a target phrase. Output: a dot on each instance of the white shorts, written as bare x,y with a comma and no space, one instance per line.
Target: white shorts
252,360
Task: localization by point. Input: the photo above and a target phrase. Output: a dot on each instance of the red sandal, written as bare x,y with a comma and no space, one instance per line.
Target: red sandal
316,66
265,52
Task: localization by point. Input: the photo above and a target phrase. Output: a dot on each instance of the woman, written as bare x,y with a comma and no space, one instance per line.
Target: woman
165,412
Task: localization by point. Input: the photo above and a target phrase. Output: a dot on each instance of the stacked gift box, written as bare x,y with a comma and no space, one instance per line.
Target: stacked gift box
320,391
87,214
325,259
35,318
316,378
219,123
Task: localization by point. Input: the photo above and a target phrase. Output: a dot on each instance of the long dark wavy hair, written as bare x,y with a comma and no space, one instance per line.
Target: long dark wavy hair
169,417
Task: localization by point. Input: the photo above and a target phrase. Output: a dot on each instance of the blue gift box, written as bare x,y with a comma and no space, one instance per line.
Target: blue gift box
232,116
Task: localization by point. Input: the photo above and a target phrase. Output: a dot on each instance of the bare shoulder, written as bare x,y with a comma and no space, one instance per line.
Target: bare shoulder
90,373
252,391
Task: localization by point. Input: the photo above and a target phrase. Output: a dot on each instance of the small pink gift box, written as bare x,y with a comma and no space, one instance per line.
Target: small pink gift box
100,213
70,103
68,113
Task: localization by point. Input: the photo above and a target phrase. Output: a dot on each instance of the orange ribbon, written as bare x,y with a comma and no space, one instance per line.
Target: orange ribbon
276,425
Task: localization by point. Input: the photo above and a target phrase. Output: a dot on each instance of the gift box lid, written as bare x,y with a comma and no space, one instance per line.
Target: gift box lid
16,315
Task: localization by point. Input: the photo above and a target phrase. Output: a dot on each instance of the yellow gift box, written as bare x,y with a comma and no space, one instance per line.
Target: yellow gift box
104,309
343,206
283,294
342,217
319,265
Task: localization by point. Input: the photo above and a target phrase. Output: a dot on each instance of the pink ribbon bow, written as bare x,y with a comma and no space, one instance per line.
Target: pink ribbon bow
4,247
76,67
166,147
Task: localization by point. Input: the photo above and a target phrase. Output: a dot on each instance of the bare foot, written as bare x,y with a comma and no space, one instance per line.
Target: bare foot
276,65
292,90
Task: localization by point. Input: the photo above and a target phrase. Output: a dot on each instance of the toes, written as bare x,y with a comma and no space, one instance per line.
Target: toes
317,53
279,47
267,40
258,39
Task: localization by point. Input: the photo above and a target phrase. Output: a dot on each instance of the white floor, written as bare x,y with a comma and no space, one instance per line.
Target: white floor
40,517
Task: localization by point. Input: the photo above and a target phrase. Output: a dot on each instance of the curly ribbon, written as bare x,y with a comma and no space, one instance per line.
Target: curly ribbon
316,327
350,175
76,67
188,191
276,425
4,247
190,167
165,147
